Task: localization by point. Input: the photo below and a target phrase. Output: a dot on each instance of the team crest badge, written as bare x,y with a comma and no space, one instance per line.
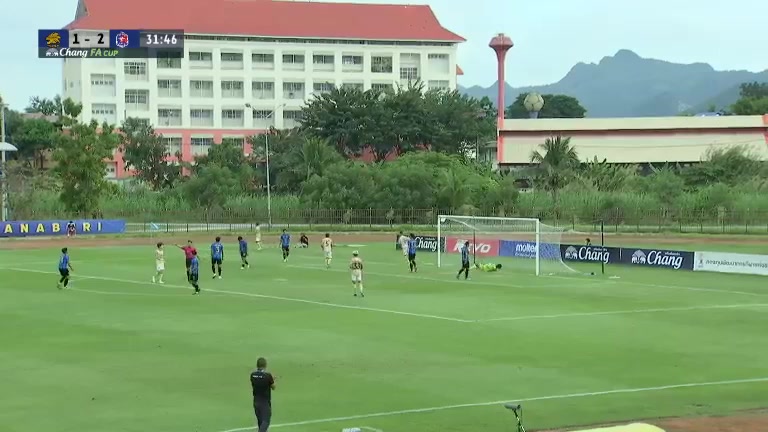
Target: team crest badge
121,40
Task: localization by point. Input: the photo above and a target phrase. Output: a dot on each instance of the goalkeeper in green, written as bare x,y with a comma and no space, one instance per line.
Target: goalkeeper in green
488,267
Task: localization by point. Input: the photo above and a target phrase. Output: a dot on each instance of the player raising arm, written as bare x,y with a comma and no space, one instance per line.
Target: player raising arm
356,267
217,257
488,267
403,240
285,244
159,264
189,253
464,261
327,246
412,246
64,268
243,252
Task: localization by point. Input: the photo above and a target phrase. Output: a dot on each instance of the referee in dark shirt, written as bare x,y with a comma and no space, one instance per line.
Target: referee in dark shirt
262,383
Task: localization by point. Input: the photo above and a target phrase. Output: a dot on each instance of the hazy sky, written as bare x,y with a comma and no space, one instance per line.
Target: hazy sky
550,36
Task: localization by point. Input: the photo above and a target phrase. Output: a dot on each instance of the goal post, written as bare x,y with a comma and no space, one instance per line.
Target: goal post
521,243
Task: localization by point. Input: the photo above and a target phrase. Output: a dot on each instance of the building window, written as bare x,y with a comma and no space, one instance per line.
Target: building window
232,118
293,90
381,64
104,113
169,117
137,100
172,145
201,89
200,60
439,63
201,117
231,60
237,141
382,86
291,119
293,62
135,70
168,61
201,146
169,88
103,85
352,63
262,61
232,89
263,90
439,85
322,87
323,63
352,86
263,119
409,73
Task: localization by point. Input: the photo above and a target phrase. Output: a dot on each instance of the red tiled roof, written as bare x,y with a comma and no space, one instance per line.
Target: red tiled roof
270,18
459,71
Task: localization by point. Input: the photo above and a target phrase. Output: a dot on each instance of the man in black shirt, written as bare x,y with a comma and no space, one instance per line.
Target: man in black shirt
262,383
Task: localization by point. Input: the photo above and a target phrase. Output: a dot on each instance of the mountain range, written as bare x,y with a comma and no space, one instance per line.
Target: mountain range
627,85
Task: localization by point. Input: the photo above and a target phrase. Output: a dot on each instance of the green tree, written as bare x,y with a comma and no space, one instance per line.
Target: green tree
212,185
753,99
34,138
145,152
345,185
80,155
555,106
556,163
606,177
731,166
229,154
66,110
453,123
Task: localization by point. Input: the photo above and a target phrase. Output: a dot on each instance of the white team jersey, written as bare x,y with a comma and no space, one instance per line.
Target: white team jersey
160,260
258,233
356,267
327,244
404,244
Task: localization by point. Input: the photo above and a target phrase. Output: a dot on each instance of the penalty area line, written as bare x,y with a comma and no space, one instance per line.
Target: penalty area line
501,402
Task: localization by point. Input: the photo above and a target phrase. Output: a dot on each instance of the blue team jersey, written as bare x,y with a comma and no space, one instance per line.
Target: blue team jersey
194,266
285,240
243,247
217,251
412,246
64,262
464,254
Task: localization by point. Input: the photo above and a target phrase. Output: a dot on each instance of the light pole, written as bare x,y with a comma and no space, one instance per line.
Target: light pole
4,147
266,157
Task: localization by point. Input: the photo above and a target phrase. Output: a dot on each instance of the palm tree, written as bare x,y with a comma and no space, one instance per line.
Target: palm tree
313,157
556,162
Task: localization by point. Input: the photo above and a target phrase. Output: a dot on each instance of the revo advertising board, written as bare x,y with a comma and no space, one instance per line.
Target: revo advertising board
486,248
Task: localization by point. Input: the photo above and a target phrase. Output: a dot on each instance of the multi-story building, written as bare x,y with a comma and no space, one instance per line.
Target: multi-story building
272,55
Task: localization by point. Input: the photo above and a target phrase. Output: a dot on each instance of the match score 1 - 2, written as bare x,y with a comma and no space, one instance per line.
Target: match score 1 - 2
88,39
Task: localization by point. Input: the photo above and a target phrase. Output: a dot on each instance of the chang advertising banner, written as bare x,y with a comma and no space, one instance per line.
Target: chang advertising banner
731,263
426,243
596,254
678,260
485,248
59,227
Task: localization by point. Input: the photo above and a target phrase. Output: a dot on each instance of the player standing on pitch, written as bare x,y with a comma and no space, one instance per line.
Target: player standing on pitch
217,257
356,267
464,261
64,268
403,240
285,244
193,275
189,253
412,246
159,264
258,236
262,384
243,252
327,246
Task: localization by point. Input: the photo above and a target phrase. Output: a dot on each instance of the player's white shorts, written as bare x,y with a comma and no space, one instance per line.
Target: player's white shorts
160,267
405,250
329,254
258,239
357,275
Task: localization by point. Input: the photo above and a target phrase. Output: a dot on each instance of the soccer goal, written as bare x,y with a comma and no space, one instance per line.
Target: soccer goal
517,243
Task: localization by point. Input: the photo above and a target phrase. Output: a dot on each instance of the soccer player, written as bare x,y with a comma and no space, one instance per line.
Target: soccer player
189,253
489,267
243,252
258,236
327,246
71,230
262,383
356,267
303,241
159,264
217,257
464,261
193,275
285,244
403,239
412,244
64,268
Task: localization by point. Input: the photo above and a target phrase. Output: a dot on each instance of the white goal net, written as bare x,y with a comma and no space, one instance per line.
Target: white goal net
517,243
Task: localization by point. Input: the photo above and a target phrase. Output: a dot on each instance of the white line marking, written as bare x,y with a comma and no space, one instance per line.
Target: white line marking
501,402
677,287
627,312
238,293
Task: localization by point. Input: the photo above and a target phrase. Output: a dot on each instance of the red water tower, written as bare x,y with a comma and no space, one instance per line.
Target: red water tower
500,44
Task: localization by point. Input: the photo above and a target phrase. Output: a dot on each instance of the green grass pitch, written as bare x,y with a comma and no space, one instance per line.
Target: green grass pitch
420,353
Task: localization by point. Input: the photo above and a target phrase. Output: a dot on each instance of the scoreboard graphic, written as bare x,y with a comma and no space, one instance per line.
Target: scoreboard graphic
64,43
